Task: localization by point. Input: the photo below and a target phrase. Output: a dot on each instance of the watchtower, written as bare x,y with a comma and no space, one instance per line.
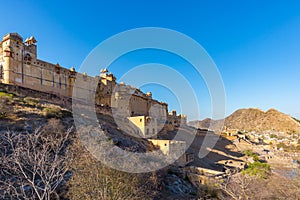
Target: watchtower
15,55
11,63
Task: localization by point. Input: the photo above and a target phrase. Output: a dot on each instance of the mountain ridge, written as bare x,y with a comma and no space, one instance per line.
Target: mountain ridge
254,119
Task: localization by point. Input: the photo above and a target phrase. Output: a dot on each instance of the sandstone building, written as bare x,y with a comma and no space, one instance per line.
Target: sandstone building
174,120
174,148
147,126
19,65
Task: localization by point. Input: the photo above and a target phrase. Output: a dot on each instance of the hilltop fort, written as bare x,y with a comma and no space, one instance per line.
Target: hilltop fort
20,66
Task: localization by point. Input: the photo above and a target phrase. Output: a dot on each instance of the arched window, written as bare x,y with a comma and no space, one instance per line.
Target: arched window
27,57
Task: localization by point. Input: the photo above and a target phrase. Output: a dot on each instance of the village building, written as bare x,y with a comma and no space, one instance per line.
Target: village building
146,126
232,165
202,176
174,148
174,120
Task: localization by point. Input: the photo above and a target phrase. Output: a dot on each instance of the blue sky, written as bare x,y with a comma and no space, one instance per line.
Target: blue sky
255,44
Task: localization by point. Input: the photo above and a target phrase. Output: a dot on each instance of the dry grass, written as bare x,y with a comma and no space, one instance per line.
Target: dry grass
93,180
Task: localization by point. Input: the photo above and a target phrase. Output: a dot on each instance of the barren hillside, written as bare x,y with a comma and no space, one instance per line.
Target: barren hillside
86,177
253,119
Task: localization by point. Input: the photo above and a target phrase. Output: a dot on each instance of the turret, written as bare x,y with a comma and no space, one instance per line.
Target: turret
30,52
149,95
12,51
30,47
72,78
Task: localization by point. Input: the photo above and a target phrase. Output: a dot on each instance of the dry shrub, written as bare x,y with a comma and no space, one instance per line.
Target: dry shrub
52,112
33,166
93,180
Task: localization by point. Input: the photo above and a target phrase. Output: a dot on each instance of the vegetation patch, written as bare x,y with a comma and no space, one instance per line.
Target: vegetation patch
250,153
288,148
208,192
6,94
51,112
273,136
3,114
34,166
93,180
261,170
3,107
31,101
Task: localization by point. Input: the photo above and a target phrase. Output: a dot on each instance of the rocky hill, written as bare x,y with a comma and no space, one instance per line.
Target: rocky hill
27,119
253,119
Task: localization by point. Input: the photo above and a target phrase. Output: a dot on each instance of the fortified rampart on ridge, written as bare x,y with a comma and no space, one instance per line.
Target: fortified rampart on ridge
20,66
22,72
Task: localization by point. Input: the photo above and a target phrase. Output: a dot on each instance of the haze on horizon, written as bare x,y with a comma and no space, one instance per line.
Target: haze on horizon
255,45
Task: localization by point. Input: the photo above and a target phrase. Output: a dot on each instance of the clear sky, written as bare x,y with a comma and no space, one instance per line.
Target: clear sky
255,44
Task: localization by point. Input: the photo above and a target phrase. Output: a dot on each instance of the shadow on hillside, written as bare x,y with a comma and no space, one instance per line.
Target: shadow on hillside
220,151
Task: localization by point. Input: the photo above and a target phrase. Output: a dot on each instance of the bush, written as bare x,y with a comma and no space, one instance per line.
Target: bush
258,169
91,179
6,94
3,115
248,152
31,101
208,191
51,112
3,107
255,157
281,145
33,166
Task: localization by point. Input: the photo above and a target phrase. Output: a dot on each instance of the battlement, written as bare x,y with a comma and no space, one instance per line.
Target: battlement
12,36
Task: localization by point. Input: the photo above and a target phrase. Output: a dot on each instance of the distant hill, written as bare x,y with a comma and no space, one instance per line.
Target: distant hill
253,119
201,124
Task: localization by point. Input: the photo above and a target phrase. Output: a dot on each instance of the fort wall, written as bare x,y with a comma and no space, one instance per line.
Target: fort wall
50,98
20,66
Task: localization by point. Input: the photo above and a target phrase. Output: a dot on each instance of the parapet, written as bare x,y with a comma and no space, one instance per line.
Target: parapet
30,40
14,36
